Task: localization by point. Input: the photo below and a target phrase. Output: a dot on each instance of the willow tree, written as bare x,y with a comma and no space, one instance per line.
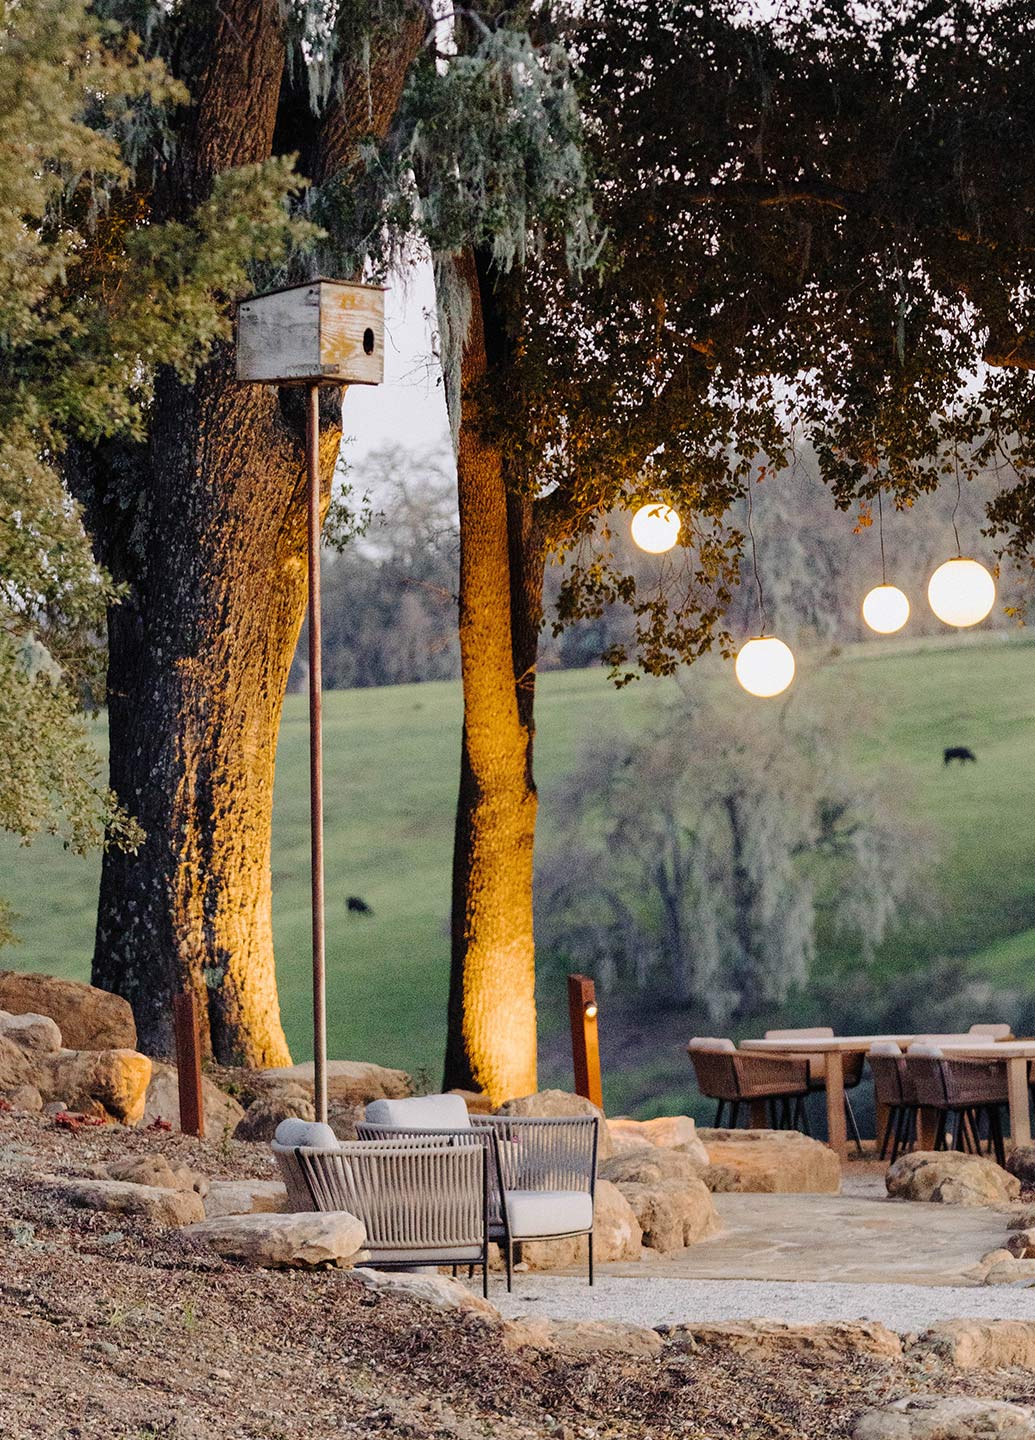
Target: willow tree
201,521
775,267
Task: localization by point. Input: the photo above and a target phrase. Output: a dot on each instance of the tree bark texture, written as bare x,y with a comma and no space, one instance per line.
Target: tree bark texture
491,1044
207,528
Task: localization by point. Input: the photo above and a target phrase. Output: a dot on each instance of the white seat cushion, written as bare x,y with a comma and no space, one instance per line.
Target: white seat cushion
307,1134
548,1212
420,1112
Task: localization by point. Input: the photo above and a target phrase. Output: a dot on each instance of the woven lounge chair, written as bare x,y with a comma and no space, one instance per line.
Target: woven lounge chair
542,1182
735,1077
425,1204
963,1091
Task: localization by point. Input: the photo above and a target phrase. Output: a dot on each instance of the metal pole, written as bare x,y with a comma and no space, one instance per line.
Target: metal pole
316,754
585,1048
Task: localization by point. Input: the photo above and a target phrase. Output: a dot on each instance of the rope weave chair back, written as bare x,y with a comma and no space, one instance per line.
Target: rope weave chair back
974,1082
714,1069
887,1067
543,1154
759,1074
925,1076
409,1197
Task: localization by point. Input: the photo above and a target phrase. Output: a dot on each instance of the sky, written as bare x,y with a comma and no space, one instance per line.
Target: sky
409,409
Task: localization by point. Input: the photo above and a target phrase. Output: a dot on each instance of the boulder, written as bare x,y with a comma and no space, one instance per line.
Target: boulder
672,1213
114,1079
25,1098
933,1417
244,1197
122,1197
982,1344
649,1165
36,1034
441,1292
668,1132
828,1340
154,1170
343,1119
260,1120
1022,1218
582,1337
16,1066
774,1162
1021,1244
616,1236
349,1082
1020,1161
1020,1273
948,1177
558,1104
222,1113
284,1242
88,1018
477,1102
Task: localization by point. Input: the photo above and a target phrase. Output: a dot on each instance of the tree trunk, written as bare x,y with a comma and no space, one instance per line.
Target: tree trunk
491,1043
206,526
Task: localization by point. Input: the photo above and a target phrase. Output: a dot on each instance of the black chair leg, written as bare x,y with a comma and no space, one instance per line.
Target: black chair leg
853,1125
718,1114
591,1257
890,1124
995,1126
510,1264
735,1115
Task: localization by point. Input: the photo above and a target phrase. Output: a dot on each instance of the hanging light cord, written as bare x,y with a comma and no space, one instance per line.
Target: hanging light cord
880,531
959,496
754,565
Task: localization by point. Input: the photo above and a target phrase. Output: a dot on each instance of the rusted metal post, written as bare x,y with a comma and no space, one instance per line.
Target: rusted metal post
585,1048
316,755
188,1065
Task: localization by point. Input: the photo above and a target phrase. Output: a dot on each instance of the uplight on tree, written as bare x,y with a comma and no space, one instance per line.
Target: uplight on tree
885,609
961,592
765,666
655,528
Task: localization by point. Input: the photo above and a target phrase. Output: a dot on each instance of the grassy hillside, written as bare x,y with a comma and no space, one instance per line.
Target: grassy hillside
391,764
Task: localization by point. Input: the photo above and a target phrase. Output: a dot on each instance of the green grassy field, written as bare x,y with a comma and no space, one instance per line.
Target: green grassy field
391,766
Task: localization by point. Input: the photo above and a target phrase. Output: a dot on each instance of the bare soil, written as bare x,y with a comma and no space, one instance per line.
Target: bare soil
112,1328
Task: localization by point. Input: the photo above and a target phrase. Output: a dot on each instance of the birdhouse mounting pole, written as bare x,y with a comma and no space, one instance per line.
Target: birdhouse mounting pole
312,445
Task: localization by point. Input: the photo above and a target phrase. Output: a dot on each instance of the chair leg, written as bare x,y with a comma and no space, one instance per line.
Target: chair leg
803,1109
591,1257
903,1127
890,1124
853,1125
718,1114
995,1126
735,1115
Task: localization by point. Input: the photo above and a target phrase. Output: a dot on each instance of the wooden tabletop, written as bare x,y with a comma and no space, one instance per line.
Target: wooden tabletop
964,1045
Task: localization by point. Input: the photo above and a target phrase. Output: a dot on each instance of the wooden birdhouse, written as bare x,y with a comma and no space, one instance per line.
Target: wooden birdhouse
327,330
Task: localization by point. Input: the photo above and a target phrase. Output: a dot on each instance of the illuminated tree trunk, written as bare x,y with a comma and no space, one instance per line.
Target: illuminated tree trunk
491,1044
206,527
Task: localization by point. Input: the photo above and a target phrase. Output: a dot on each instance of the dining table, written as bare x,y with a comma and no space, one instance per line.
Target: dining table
1016,1054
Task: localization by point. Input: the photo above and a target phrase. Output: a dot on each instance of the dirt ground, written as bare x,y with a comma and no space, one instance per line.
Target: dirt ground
112,1328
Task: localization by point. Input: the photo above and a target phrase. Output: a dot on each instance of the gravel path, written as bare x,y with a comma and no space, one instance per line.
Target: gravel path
661,1301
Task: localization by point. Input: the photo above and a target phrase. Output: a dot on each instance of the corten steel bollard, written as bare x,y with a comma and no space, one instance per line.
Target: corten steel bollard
585,1049
188,1065
326,332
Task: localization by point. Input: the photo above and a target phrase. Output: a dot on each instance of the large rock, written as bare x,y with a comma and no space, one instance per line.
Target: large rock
932,1417
774,1162
244,1197
122,1197
828,1340
36,1034
669,1132
948,1177
284,1242
16,1066
115,1079
441,1292
222,1113
673,1213
559,1104
259,1122
1021,1244
982,1344
88,1018
349,1082
154,1169
1020,1274
582,1337
1021,1162
616,1236
649,1165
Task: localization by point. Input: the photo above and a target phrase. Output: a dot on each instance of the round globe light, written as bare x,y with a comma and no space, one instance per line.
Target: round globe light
886,609
961,592
765,666
655,528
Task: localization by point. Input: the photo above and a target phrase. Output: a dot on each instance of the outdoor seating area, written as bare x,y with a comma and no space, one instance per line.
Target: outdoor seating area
435,1185
933,1092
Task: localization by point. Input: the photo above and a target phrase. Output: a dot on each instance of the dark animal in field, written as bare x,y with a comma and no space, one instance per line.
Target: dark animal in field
356,906
962,753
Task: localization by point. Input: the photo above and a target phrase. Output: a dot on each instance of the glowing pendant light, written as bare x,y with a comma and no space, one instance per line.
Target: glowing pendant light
961,592
655,527
886,607
765,666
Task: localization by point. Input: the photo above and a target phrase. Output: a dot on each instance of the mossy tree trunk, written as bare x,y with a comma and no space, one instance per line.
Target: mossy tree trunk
206,527
491,1042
